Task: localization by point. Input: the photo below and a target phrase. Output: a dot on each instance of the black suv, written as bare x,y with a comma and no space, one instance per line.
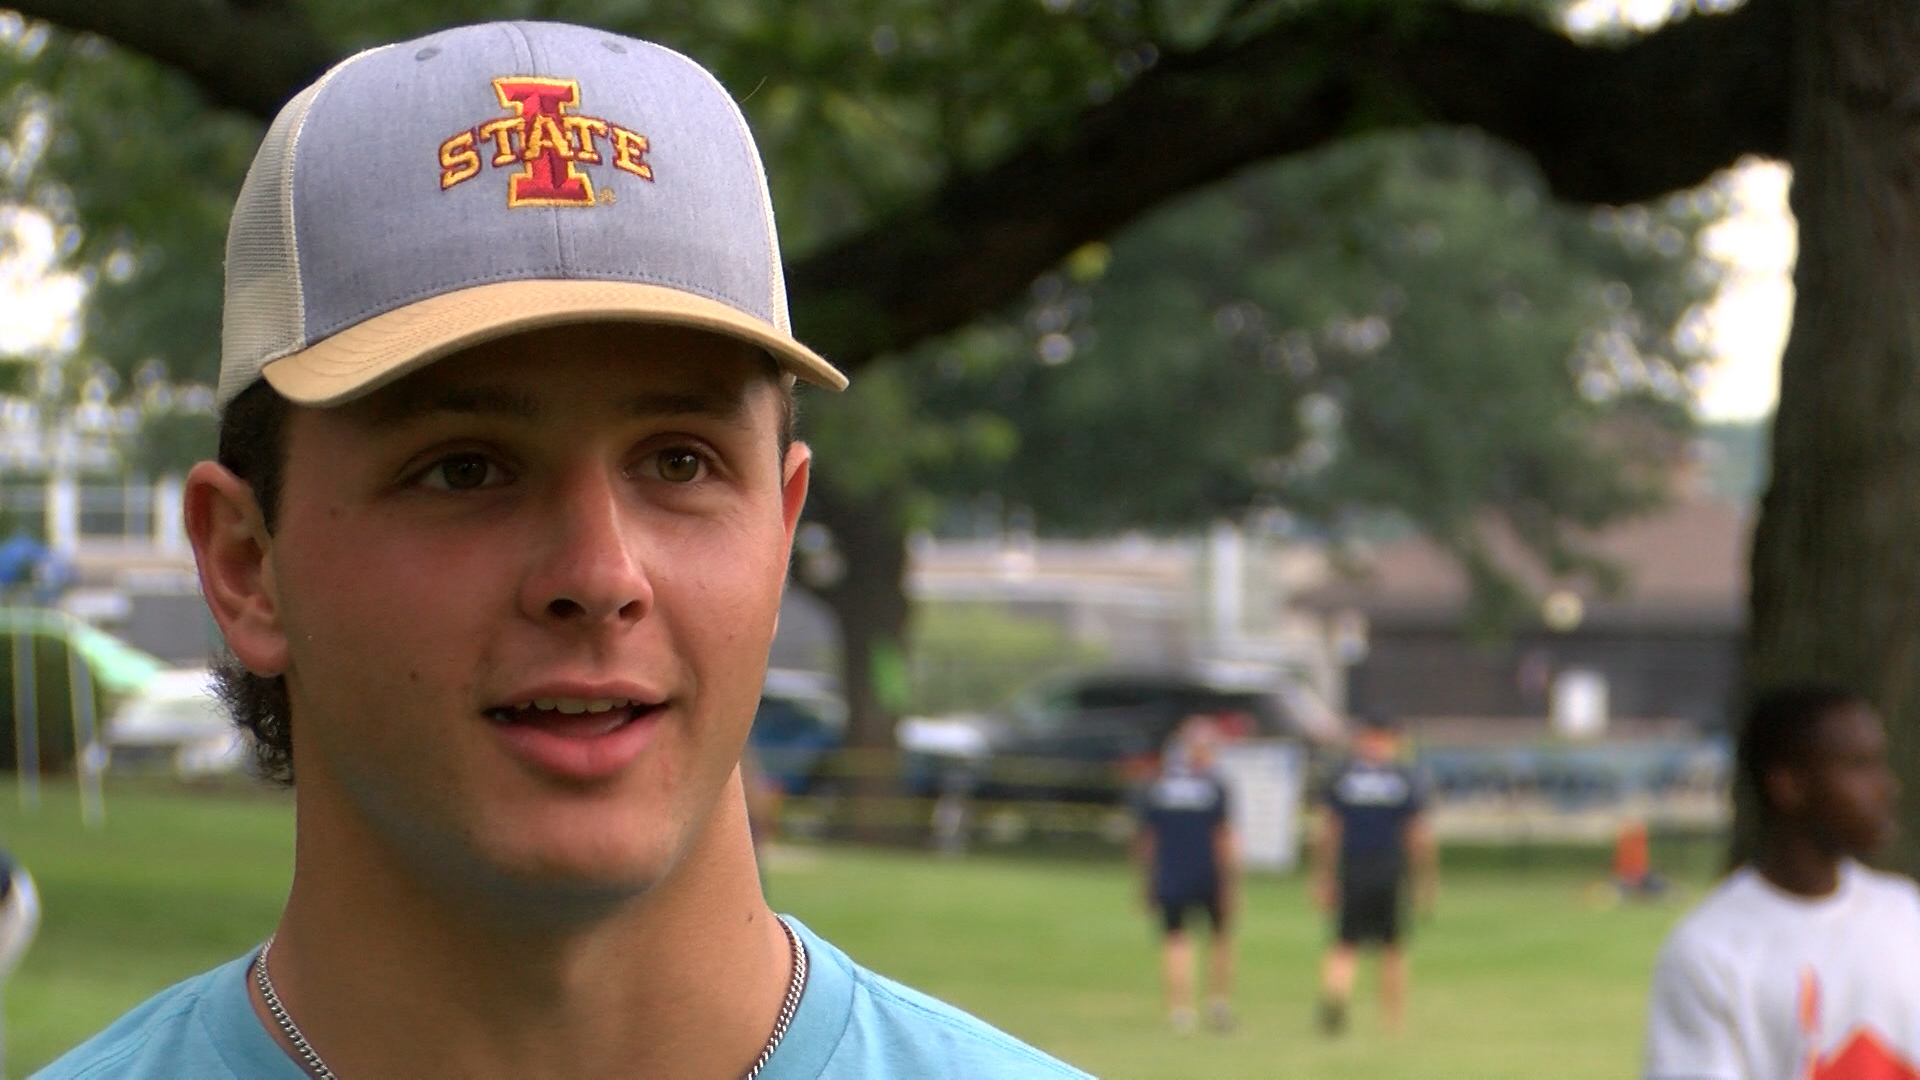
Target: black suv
1089,737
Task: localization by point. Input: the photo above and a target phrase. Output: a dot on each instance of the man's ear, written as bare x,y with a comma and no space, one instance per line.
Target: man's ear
230,545
796,470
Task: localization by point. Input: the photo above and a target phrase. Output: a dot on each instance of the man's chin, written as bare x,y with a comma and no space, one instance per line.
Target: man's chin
1875,843
562,890
1888,834
554,866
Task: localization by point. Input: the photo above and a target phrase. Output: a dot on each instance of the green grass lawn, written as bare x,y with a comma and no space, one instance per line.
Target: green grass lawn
1523,975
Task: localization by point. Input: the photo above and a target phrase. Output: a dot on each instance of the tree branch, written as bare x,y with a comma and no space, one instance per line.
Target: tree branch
1612,124
1606,123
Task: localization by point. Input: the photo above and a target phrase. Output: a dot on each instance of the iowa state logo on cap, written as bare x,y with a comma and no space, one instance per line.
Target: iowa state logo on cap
548,140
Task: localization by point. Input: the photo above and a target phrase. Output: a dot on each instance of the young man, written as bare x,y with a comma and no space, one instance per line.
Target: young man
1372,836
497,538
1802,964
1189,863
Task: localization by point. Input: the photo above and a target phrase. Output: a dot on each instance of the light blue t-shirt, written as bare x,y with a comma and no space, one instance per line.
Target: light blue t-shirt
851,1025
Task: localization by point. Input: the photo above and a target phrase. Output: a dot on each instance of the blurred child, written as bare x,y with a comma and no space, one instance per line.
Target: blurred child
1372,837
1188,861
1802,965
1634,877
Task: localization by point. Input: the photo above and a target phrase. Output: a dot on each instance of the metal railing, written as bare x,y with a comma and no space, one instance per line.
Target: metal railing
959,804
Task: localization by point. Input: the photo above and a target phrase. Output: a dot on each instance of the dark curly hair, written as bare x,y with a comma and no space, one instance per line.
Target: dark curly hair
253,446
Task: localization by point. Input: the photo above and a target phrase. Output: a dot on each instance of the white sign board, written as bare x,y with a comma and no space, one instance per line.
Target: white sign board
1266,781
1579,703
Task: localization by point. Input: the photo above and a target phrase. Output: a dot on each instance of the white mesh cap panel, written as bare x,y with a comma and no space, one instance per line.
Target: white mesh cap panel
264,315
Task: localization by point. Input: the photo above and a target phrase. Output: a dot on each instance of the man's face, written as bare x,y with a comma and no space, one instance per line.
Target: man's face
1376,745
1850,791
527,595
1202,745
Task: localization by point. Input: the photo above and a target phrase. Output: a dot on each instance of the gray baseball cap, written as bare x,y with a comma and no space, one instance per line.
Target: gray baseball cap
425,197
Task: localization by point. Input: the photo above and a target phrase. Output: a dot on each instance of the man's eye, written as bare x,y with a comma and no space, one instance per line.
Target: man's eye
679,466
461,472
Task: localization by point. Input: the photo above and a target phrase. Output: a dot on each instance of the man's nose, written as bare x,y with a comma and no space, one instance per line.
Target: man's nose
589,570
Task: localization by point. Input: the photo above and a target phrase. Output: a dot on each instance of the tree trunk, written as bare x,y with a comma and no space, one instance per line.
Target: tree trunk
1836,559
870,601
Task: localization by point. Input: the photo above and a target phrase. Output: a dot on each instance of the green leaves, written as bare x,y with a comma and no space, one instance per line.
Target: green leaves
1400,325
141,176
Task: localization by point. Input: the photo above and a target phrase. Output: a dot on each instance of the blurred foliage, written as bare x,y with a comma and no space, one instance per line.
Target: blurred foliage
1402,323
974,656
884,440
171,440
138,177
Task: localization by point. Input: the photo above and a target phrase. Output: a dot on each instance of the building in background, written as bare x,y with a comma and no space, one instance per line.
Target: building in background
1660,657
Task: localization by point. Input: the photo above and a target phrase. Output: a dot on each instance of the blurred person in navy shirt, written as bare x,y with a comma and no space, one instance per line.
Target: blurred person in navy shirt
1189,865
1372,836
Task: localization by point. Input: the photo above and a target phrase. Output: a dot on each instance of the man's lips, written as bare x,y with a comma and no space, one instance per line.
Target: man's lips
581,718
577,738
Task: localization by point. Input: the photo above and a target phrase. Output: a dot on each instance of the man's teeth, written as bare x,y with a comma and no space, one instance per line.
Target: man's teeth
572,706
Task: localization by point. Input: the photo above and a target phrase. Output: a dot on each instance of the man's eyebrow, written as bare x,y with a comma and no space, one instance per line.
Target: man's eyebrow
404,407
718,406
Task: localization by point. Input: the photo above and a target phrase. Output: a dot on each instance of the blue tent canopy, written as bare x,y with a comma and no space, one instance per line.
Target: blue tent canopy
19,554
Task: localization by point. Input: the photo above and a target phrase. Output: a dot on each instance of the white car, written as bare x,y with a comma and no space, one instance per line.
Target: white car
176,719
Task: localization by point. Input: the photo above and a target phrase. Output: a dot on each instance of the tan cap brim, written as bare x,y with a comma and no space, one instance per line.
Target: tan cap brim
368,355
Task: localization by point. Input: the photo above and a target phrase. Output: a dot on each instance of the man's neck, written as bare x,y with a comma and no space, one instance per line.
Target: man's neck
386,978
1793,862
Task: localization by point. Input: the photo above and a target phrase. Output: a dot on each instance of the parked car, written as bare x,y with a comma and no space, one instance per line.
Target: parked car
1090,736
175,722
801,721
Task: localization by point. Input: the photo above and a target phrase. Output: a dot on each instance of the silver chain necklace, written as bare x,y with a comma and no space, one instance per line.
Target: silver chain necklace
316,1068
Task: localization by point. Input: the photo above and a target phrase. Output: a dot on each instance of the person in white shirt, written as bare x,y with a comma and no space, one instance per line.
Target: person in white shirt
1804,964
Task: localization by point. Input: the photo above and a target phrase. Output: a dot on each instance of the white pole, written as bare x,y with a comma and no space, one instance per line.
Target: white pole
1227,581
63,514
88,754
169,520
26,721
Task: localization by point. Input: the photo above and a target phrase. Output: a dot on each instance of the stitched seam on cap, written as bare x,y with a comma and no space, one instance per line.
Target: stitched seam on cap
392,304
776,283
